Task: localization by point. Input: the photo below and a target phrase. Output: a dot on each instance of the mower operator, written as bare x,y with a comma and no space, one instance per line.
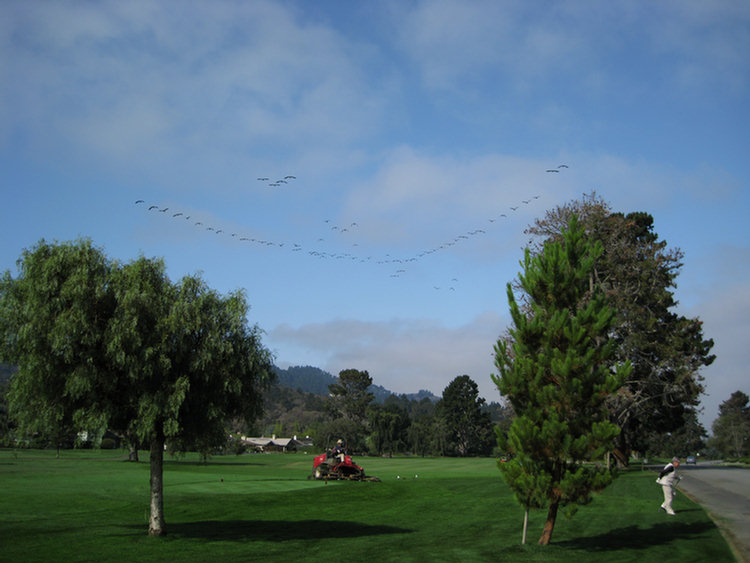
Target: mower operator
339,451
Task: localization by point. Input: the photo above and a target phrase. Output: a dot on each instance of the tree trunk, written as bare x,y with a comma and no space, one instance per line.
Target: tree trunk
622,457
156,524
549,525
133,449
525,525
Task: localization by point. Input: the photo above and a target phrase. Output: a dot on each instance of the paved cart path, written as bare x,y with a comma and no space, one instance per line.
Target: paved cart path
725,493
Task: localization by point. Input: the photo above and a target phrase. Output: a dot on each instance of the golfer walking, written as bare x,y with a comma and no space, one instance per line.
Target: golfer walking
668,480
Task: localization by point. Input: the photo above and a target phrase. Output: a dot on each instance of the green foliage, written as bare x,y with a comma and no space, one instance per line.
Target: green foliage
468,426
347,405
690,439
53,325
732,427
305,378
291,410
349,396
637,273
102,343
388,426
557,372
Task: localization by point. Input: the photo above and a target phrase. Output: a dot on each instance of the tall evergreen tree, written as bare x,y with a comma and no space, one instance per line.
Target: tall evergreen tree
469,427
557,372
732,427
347,404
349,396
638,272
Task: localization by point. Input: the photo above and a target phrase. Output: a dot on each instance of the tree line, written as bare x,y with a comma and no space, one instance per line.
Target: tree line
460,423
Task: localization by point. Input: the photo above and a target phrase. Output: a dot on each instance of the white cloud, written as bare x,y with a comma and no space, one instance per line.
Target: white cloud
142,87
421,198
456,45
403,355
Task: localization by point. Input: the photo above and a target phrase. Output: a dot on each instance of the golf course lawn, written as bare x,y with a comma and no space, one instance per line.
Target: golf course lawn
92,505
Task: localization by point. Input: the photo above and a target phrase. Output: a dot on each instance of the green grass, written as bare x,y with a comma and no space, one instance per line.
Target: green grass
92,506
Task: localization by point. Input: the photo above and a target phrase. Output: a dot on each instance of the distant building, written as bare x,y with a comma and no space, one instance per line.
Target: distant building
273,443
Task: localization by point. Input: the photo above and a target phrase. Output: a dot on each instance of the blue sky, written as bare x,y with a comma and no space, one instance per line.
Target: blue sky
418,135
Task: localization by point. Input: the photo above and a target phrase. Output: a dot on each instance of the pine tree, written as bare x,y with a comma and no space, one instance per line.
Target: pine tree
637,271
732,427
469,427
556,370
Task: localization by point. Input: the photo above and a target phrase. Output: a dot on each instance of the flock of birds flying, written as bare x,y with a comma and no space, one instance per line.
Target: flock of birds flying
278,183
347,230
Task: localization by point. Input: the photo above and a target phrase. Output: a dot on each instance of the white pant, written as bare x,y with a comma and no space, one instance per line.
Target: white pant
668,496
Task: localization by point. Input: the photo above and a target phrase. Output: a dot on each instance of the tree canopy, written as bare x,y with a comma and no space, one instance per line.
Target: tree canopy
732,427
469,427
637,272
101,344
347,403
557,370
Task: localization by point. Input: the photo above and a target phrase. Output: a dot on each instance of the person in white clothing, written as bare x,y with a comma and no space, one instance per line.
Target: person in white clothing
668,480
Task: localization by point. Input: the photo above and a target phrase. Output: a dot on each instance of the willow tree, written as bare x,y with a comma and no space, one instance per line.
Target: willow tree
189,363
53,325
557,371
122,346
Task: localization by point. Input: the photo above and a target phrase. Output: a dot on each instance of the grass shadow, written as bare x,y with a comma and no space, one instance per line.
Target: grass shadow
276,530
633,537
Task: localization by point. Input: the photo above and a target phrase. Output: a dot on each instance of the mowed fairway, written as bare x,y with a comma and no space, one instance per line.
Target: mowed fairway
92,506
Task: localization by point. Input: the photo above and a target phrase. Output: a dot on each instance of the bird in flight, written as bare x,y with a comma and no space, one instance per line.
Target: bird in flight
552,170
290,177
563,166
263,179
138,201
153,207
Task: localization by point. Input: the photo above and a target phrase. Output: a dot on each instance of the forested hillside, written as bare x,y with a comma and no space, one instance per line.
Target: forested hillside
315,380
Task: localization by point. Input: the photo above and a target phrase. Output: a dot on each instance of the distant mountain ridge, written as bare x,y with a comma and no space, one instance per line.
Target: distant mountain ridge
315,380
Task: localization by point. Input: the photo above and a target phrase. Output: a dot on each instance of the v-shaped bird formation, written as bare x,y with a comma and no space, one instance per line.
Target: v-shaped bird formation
321,246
